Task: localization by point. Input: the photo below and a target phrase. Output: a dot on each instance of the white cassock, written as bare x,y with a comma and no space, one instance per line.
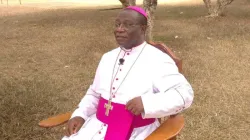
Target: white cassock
146,72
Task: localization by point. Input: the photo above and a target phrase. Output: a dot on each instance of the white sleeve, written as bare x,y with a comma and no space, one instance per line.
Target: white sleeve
172,92
88,104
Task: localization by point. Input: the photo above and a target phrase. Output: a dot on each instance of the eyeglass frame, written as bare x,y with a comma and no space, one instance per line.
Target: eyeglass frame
126,26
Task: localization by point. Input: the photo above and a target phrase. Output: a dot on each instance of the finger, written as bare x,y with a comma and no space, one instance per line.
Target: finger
71,128
128,104
137,113
133,110
77,128
66,131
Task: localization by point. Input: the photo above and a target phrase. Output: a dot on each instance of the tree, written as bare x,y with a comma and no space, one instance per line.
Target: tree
150,7
216,7
126,3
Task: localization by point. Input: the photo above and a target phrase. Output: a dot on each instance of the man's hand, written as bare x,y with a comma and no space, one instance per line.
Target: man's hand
135,106
74,125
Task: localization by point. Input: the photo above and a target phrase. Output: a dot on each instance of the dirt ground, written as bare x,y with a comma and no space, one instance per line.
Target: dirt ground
26,6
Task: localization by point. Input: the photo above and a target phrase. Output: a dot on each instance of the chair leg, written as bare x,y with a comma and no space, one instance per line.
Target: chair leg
174,138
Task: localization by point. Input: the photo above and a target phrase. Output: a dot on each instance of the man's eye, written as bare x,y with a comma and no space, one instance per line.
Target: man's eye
127,24
117,24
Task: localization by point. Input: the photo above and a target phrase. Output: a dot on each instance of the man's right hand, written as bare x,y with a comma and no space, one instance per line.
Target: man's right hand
74,125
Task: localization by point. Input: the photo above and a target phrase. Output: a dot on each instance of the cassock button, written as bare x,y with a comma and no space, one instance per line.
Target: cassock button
127,53
113,96
116,79
120,69
104,124
113,87
100,132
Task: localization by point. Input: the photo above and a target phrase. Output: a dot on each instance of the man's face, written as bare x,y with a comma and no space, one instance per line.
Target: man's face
128,30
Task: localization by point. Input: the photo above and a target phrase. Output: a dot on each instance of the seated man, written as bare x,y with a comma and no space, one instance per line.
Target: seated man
134,84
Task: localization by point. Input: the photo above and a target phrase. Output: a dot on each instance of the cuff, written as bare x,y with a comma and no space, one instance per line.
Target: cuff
162,104
79,113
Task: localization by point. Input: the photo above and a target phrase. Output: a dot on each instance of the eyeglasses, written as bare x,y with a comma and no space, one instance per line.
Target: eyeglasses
125,26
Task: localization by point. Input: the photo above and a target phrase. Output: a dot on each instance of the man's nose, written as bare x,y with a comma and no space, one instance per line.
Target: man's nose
119,29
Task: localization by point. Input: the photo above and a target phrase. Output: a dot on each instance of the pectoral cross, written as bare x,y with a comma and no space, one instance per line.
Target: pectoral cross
108,107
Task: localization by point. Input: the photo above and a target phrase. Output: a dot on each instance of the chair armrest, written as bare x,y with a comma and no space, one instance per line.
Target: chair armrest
168,129
55,120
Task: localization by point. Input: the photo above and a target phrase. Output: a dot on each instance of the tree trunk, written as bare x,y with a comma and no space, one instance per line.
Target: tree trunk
126,3
150,7
216,8
222,5
132,2
208,5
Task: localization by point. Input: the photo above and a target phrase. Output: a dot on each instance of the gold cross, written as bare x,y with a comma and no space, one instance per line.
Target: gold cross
108,107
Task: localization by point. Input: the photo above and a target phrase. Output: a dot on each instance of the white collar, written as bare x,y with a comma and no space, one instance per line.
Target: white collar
134,49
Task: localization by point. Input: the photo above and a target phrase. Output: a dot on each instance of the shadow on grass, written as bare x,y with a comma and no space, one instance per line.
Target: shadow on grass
110,9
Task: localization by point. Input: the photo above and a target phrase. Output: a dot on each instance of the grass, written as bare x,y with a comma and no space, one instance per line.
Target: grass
48,59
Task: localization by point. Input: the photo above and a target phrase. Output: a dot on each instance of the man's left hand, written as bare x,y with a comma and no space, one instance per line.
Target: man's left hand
135,106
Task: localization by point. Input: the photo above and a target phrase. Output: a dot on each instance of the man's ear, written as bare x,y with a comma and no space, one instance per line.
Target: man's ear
144,28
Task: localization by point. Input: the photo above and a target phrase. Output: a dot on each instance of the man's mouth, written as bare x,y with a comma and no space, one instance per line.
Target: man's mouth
120,37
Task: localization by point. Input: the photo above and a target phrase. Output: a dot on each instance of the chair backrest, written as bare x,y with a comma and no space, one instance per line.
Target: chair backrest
167,50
